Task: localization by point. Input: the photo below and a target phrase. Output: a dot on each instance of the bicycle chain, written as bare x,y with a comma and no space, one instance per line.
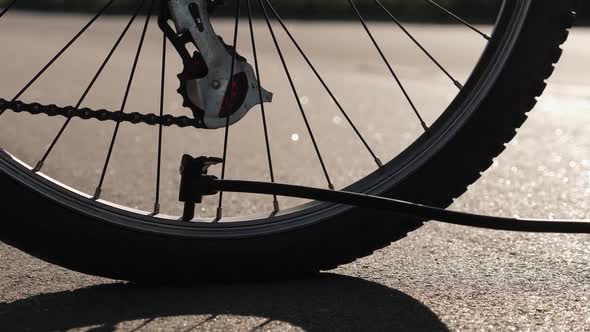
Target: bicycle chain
100,115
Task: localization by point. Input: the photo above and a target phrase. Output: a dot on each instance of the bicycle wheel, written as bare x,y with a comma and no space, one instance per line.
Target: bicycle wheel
433,164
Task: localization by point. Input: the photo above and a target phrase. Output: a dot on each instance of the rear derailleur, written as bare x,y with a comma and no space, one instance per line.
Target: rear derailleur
205,78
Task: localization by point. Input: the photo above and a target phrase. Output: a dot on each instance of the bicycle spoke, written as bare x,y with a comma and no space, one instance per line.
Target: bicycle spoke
7,8
228,103
161,128
263,111
399,24
393,73
87,91
59,54
98,192
459,19
326,87
296,95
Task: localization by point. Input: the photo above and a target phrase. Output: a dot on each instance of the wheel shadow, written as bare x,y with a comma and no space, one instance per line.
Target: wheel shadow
327,303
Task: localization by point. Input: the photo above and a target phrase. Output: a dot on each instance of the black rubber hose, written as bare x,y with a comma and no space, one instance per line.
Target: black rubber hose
405,208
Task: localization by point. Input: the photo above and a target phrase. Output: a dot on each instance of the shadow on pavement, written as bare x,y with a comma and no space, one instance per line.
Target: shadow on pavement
329,302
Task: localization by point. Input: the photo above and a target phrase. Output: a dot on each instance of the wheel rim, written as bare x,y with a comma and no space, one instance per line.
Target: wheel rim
376,183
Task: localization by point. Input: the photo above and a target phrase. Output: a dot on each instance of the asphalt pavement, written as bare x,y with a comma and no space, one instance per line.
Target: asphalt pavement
439,278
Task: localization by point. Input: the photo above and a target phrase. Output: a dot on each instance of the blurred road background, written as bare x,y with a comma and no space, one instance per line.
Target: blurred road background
441,277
